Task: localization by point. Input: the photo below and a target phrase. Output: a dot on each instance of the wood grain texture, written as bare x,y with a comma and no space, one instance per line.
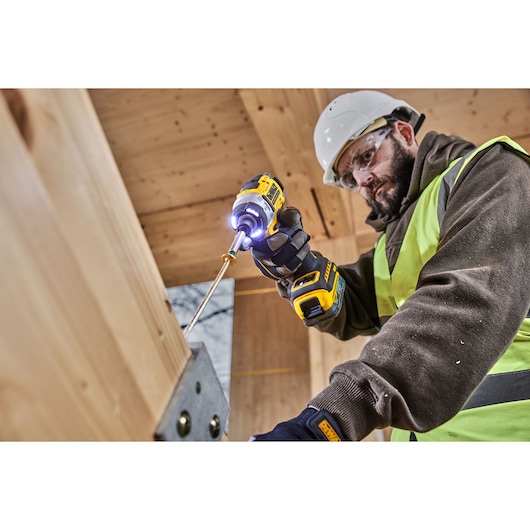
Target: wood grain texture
176,148
270,360
182,152
284,121
90,348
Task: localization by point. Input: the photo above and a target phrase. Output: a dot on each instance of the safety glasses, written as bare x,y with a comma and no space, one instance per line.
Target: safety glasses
361,157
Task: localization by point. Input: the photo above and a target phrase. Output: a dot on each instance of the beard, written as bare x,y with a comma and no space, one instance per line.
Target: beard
388,202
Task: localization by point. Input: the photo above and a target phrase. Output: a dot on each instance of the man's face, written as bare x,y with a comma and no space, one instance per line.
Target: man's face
384,180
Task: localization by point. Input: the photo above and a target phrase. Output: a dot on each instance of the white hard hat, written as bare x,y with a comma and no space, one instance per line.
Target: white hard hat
352,115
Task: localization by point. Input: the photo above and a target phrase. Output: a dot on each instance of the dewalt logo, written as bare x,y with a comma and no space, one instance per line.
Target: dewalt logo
328,431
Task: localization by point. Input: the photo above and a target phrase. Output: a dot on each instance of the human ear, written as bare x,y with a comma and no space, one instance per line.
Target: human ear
405,131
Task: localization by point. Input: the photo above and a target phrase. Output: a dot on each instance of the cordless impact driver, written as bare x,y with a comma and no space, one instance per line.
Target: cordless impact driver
317,288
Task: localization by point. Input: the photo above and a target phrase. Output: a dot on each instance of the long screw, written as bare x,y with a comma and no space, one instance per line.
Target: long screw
228,258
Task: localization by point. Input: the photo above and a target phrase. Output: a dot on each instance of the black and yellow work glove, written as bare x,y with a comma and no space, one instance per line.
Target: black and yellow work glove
311,425
281,254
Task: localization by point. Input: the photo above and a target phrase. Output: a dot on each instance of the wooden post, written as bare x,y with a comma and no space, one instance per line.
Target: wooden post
89,346
270,360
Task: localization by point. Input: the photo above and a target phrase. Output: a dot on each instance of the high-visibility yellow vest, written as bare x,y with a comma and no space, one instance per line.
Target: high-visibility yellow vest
499,409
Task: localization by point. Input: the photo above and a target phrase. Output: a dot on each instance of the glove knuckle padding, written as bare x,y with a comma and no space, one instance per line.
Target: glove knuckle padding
275,242
282,253
290,249
287,258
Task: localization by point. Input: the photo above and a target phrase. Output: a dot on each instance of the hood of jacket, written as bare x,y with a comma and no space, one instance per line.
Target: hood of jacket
435,153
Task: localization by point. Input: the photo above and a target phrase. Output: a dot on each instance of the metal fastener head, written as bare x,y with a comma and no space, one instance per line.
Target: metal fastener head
215,426
184,424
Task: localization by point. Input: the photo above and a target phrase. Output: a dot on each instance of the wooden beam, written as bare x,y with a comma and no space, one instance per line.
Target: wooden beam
90,347
284,121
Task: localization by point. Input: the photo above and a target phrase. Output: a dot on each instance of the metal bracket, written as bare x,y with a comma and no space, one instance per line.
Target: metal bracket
198,409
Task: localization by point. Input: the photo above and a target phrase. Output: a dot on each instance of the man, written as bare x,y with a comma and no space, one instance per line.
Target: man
445,294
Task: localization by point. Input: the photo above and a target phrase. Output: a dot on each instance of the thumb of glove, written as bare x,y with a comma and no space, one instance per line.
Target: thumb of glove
290,217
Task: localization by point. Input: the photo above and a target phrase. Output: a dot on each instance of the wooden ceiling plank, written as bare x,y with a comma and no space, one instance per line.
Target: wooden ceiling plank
285,121
188,243
179,147
153,120
474,114
180,178
278,128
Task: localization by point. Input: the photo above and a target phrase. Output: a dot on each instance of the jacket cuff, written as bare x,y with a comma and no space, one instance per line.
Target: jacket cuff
350,404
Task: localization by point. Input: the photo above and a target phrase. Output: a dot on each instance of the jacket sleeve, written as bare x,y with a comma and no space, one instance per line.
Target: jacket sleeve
471,298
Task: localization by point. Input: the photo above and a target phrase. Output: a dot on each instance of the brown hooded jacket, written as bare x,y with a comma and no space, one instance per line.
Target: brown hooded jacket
470,299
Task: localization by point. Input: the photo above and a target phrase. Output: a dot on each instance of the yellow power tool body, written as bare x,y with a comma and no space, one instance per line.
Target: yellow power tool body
255,210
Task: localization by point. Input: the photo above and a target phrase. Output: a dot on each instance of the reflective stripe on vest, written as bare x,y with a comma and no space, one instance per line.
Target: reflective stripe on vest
486,417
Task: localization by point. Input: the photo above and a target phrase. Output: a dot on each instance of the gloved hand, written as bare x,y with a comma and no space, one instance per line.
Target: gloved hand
281,254
311,425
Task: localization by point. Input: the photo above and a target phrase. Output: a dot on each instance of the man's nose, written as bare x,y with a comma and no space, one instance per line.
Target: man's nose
363,177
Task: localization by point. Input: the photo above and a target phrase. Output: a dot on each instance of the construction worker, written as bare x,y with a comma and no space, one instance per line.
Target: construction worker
445,293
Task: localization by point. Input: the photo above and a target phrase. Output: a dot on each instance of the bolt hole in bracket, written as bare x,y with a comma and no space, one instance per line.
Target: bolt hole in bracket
198,409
